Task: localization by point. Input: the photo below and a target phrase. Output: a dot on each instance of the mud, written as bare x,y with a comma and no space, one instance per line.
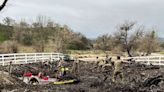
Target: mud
136,78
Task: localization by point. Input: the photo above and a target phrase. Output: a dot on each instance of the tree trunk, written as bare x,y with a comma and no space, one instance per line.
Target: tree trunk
129,54
129,48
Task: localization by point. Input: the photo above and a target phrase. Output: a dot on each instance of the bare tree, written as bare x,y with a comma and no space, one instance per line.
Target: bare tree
103,42
124,29
8,21
3,4
61,38
41,33
149,43
128,40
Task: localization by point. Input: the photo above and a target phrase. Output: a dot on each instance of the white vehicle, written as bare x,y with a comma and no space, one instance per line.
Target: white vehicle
36,80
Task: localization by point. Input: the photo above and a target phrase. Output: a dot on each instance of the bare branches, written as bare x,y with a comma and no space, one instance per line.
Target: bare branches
3,4
127,26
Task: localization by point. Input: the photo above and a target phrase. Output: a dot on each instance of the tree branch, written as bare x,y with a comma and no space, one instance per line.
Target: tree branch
3,4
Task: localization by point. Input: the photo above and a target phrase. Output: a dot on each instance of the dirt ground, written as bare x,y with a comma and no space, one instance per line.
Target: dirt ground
136,78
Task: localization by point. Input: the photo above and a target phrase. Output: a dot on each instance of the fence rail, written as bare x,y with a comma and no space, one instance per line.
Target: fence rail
23,58
149,60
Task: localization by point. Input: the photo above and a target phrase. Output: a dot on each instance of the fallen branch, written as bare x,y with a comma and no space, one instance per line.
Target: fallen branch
153,81
3,4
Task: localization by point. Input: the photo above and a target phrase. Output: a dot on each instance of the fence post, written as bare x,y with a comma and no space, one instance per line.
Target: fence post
58,57
14,59
35,57
3,61
10,68
42,57
51,57
25,58
148,61
160,60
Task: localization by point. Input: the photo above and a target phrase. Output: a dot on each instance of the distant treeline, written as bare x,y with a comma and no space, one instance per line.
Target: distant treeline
39,34
45,33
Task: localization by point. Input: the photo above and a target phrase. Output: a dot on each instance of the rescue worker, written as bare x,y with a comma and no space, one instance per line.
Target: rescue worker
46,65
75,67
99,64
117,69
63,71
61,63
97,60
61,68
107,64
106,59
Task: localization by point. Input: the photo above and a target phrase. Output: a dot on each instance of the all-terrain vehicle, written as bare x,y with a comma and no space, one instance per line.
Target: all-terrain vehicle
39,79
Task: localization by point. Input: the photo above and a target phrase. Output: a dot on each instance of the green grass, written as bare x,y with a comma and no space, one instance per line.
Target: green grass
85,52
162,52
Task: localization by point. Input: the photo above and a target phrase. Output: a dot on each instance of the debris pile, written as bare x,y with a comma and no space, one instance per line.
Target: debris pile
7,81
136,78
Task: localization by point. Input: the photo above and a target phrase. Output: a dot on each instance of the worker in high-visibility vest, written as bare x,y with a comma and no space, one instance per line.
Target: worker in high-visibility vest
63,71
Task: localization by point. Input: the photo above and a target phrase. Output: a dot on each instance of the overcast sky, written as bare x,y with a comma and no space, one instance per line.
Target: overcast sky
90,17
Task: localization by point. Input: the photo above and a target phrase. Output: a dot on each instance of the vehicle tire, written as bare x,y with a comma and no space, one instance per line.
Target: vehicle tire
33,82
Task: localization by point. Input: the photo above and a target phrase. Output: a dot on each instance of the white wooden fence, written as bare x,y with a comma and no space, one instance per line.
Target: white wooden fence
23,58
148,60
